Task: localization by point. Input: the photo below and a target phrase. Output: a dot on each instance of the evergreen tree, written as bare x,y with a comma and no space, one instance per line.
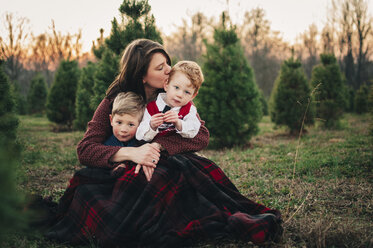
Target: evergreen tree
361,99
370,107
329,97
137,23
350,99
291,97
20,104
264,103
37,95
84,93
8,120
61,98
106,71
229,98
10,198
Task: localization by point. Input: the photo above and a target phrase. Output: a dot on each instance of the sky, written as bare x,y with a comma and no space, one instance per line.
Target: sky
289,17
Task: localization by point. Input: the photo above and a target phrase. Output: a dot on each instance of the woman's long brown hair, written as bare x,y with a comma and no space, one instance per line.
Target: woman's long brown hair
134,65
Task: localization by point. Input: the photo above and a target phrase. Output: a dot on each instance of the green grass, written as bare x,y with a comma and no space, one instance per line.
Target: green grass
325,196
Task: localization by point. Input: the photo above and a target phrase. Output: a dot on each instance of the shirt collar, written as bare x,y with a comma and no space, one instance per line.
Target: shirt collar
161,103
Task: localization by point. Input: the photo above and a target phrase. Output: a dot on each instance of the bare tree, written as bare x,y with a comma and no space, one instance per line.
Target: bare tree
341,16
263,48
63,46
187,42
363,23
310,42
13,45
328,39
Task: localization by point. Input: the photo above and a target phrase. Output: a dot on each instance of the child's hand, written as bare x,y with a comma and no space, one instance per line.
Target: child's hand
118,169
156,121
172,117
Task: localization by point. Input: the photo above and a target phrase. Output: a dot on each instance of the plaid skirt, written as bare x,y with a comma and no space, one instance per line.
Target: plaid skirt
189,199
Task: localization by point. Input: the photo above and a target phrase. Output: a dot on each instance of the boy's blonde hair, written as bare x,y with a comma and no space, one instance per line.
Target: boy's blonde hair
128,103
192,71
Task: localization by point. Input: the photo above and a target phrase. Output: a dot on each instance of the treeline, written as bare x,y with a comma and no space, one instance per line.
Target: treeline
250,70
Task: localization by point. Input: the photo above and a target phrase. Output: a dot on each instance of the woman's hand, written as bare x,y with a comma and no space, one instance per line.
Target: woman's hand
147,154
148,171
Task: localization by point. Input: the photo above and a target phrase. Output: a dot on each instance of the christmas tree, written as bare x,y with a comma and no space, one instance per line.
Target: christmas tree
61,98
229,99
291,97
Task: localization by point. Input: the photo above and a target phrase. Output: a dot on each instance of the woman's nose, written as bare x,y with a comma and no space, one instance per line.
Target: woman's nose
168,69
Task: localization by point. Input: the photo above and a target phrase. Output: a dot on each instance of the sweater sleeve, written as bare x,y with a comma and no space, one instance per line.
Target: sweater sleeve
144,131
175,144
91,150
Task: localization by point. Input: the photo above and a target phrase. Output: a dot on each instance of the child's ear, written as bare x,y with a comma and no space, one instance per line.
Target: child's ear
165,86
195,94
111,119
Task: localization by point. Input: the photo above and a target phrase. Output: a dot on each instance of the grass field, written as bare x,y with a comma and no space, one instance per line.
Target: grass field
322,183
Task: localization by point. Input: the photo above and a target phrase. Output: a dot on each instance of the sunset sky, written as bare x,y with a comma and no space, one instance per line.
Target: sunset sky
290,17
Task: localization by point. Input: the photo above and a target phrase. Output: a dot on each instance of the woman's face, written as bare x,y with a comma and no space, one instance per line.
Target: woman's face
157,74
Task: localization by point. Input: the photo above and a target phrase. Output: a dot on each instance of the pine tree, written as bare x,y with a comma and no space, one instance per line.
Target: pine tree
229,98
370,107
20,103
83,108
138,23
361,99
10,198
106,71
8,120
61,98
330,100
291,97
264,103
37,95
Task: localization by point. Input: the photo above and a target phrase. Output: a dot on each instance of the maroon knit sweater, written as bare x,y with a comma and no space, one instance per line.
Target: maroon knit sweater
92,152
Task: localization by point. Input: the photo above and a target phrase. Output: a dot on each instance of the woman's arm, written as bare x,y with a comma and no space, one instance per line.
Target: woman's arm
174,144
91,151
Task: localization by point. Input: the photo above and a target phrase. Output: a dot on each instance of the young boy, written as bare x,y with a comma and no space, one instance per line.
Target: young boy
182,87
128,109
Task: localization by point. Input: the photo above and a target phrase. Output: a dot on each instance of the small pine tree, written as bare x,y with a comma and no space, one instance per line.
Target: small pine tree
350,99
8,120
37,95
329,97
229,98
20,104
291,97
10,198
61,98
84,93
370,107
361,99
264,103
106,71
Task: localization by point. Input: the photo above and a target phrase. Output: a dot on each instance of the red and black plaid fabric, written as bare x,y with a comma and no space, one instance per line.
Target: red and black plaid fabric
188,199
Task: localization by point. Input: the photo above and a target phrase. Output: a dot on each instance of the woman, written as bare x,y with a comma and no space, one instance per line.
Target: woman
188,197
